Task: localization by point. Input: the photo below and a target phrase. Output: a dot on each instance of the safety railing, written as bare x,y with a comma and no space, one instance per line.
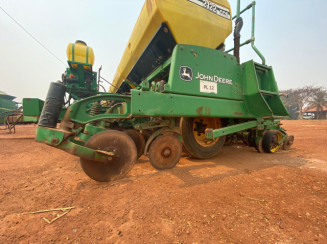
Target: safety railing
252,39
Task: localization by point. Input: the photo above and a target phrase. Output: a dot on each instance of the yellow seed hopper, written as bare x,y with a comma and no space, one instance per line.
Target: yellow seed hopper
164,23
79,52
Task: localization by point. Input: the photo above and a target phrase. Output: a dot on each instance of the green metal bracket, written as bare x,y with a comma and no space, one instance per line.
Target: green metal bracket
51,136
141,125
212,134
145,85
64,141
31,119
78,112
91,129
83,136
77,148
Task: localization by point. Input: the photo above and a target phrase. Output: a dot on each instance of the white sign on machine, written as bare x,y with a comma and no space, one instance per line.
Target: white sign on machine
208,87
208,83
213,7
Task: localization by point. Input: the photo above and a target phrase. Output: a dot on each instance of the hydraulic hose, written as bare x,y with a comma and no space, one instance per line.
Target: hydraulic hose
237,37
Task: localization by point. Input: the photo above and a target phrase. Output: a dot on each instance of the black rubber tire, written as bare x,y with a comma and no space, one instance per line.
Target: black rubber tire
288,142
270,141
258,146
159,146
193,147
138,139
119,165
185,153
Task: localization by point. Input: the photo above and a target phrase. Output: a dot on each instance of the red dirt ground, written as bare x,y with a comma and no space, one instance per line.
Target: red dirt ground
240,196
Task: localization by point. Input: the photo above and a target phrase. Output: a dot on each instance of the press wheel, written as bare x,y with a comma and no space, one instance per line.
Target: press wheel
194,139
114,167
165,152
271,141
138,139
258,145
288,142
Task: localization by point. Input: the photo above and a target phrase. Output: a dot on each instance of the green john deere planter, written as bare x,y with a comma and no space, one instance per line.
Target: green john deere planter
174,95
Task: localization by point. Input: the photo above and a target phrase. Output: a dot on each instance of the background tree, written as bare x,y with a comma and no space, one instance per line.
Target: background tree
290,103
297,99
319,100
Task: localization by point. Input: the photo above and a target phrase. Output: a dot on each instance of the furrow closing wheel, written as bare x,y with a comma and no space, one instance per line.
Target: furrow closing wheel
194,138
258,143
165,152
271,141
115,167
288,142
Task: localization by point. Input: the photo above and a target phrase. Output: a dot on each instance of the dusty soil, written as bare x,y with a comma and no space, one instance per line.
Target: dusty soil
240,196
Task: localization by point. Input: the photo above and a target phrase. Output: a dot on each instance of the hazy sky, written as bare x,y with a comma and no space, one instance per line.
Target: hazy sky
291,34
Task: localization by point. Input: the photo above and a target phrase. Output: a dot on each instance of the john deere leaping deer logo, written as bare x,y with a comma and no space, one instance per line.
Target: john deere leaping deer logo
186,73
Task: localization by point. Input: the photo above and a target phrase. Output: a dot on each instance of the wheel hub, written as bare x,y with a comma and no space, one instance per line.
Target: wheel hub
199,127
166,152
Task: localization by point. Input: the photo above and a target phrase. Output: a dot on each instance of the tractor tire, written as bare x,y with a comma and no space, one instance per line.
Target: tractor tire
194,140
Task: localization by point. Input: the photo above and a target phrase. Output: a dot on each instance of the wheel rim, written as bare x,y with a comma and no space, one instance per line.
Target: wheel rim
165,152
275,143
194,140
199,127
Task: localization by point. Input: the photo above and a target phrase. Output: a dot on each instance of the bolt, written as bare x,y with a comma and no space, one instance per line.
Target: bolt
54,141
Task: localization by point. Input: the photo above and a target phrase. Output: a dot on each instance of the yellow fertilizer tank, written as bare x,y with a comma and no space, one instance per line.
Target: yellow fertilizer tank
79,52
164,23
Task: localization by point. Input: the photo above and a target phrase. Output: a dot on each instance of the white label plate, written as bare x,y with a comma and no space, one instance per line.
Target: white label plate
208,87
